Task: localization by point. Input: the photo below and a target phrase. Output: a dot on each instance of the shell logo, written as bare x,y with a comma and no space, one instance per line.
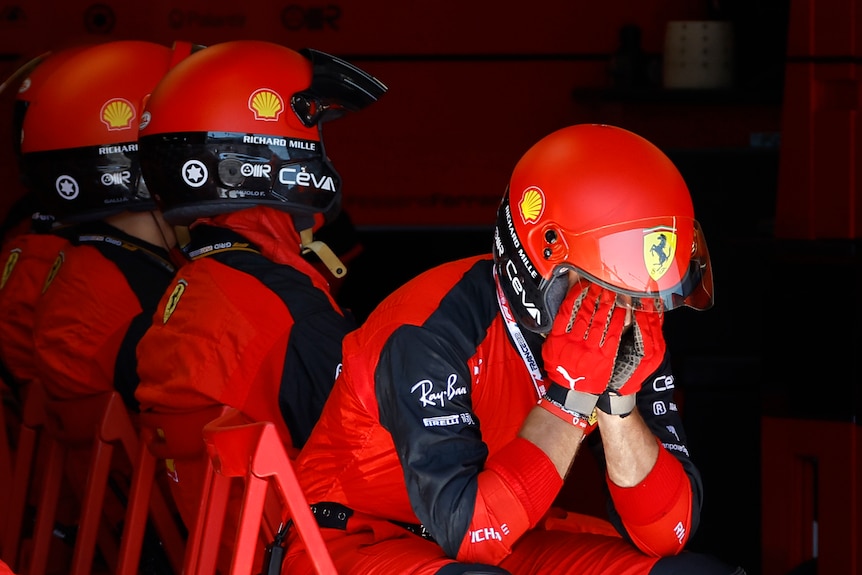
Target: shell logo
266,105
532,205
117,114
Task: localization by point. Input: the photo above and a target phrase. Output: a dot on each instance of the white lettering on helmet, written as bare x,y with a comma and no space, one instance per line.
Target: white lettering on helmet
265,140
120,149
498,243
522,255
303,145
291,176
255,170
116,178
521,293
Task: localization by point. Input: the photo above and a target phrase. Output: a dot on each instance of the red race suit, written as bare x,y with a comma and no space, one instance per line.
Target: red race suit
415,461
247,323
28,261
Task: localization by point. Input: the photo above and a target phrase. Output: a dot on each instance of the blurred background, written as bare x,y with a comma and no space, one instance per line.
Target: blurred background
754,100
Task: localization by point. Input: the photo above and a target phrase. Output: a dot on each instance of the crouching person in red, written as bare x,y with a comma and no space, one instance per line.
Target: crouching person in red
232,147
466,395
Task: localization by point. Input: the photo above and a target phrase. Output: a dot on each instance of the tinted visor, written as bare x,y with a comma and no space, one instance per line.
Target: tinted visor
686,276
228,170
87,183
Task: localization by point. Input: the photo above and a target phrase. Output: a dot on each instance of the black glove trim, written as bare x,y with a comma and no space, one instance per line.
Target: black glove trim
575,401
613,404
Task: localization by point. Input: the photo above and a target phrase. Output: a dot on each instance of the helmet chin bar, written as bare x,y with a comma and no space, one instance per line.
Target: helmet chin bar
323,251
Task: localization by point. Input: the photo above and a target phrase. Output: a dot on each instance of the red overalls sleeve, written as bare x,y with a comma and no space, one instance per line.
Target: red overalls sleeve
657,511
516,488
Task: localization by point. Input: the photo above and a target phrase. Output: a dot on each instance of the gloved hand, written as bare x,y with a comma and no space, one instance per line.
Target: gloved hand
581,349
641,352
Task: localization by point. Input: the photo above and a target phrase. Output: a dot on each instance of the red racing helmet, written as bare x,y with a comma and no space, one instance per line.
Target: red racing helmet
608,204
239,125
79,134
26,81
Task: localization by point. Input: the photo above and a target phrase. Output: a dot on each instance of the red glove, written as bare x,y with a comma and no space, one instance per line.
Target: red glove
581,349
641,351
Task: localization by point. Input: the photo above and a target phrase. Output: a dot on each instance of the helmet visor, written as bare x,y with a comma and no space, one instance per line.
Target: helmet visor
657,264
663,260
87,183
207,173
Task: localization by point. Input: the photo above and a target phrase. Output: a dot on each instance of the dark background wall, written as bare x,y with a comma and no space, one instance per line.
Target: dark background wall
472,86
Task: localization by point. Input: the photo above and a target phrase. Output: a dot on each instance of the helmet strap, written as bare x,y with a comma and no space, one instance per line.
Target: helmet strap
323,251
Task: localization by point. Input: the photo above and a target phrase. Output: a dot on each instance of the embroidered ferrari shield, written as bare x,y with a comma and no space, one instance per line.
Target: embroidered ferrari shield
174,299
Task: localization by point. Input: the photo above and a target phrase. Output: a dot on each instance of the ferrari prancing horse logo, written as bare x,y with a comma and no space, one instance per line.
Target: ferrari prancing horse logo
659,249
10,265
174,299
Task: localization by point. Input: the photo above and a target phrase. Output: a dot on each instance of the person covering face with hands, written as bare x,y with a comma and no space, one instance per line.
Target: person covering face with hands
466,395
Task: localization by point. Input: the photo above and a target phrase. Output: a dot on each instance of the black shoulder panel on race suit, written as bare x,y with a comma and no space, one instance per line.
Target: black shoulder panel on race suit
441,462
313,351
148,271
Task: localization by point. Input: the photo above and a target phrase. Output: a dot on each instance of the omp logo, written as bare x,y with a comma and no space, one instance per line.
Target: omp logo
266,105
532,205
117,114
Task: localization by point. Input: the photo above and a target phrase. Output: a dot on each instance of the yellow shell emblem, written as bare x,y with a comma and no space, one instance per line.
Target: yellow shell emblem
118,114
266,105
174,300
532,205
10,265
659,250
